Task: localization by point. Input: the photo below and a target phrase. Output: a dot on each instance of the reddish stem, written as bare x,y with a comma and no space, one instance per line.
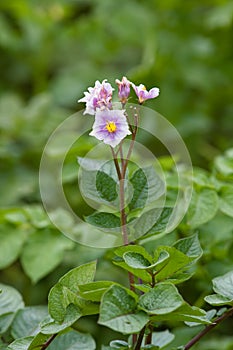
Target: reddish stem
208,328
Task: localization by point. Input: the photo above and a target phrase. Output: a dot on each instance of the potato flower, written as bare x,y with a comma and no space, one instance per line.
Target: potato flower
110,126
143,94
98,97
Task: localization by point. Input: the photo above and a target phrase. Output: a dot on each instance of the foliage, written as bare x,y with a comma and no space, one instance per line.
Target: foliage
50,52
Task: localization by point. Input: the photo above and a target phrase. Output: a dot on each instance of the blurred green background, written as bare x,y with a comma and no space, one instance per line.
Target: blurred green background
51,51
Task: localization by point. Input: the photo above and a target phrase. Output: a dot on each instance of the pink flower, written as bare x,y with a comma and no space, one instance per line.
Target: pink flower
143,94
123,89
99,96
110,126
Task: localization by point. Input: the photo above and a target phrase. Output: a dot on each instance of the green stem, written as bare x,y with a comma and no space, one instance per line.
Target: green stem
208,329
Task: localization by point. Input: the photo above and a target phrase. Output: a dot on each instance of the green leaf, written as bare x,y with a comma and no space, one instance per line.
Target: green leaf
119,344
5,321
98,180
176,262
226,200
12,241
49,326
38,340
106,186
140,186
118,311
190,246
185,313
131,248
153,221
223,285
208,316
43,252
224,165
90,164
14,215
65,292
162,299
147,186
162,338
78,276
218,300
204,206
119,260
20,344
10,302
26,321
201,178
104,220
93,291
136,260
73,340
10,299
37,216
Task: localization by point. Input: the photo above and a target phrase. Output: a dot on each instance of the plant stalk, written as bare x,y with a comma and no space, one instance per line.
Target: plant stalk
140,339
208,329
49,341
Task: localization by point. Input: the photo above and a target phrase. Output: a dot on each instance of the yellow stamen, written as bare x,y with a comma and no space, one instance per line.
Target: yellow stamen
144,88
111,126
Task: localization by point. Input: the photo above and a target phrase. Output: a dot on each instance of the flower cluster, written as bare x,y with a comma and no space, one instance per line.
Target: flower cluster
111,125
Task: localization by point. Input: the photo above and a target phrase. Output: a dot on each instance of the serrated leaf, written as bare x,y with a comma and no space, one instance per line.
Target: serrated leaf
104,220
12,241
94,291
203,207
190,246
226,200
218,300
118,311
43,252
162,299
73,340
223,285
65,292
26,321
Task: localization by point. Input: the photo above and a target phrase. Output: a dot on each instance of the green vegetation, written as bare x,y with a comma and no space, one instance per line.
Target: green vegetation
51,51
